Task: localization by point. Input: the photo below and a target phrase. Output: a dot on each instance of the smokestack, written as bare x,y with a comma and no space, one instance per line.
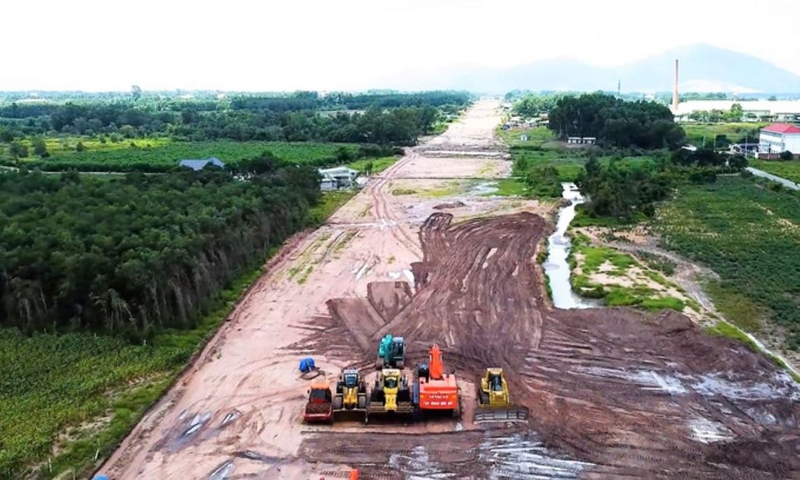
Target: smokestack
675,97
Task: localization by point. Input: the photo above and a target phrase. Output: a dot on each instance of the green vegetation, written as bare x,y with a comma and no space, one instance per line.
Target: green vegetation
386,118
720,135
165,156
615,122
745,233
132,255
592,259
371,166
93,388
327,206
789,170
542,163
404,191
511,187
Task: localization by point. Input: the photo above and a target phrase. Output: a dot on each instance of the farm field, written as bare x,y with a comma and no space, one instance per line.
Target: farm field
160,155
746,234
789,170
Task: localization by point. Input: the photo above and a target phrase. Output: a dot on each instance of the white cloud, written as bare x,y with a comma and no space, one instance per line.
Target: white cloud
350,44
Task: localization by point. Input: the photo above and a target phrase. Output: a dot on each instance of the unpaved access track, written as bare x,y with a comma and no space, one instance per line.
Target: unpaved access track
613,393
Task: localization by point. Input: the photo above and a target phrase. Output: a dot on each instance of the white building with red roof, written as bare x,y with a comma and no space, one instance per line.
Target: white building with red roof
779,137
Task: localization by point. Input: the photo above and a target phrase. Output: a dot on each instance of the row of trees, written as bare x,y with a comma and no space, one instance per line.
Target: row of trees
136,254
388,118
616,123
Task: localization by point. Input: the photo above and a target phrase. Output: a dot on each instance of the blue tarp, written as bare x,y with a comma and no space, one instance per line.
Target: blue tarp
307,365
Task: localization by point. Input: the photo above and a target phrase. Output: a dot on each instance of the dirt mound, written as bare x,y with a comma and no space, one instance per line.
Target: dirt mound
624,392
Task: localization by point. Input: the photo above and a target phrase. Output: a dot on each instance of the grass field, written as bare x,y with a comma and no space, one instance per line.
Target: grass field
748,235
378,164
88,390
697,132
789,170
542,163
165,154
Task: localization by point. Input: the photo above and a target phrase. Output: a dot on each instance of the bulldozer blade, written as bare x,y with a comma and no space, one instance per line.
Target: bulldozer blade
501,415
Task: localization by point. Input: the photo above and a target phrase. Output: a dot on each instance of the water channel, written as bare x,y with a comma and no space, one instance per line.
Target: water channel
558,271
556,266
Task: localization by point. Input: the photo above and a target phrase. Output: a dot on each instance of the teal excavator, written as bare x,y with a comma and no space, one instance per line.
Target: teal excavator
391,353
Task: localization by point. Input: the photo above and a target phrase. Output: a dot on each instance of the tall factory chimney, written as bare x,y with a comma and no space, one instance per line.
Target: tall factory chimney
675,98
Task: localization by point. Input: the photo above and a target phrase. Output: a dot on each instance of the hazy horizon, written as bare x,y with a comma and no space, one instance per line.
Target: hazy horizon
351,45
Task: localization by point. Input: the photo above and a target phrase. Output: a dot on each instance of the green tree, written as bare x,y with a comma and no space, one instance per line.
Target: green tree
80,147
18,150
40,147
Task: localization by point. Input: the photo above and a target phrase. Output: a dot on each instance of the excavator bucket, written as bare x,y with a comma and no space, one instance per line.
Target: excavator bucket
510,414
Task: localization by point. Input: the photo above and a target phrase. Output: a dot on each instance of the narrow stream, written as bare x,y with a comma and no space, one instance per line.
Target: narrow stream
558,270
556,266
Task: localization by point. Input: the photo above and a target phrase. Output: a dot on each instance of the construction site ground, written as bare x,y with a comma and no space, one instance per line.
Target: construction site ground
423,252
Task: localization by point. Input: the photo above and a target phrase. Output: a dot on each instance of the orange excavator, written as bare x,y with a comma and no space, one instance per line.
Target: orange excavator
436,391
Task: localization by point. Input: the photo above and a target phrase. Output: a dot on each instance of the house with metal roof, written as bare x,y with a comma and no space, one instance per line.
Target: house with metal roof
198,165
336,178
777,138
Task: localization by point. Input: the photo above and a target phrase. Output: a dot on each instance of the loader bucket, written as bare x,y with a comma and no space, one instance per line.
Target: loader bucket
512,414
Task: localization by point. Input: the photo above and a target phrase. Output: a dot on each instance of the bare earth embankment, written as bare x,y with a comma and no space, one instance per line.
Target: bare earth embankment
613,393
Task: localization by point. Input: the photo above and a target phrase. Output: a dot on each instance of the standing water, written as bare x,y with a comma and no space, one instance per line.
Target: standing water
556,267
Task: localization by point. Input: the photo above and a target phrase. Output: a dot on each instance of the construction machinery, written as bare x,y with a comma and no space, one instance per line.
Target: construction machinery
351,393
320,403
390,395
435,390
391,352
494,401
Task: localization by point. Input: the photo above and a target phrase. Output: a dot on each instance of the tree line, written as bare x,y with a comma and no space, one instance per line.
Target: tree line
133,255
388,118
615,122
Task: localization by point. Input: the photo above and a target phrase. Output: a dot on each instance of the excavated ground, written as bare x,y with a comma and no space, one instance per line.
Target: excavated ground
613,393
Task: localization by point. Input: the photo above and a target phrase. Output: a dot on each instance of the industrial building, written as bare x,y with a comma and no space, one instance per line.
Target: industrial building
777,138
752,110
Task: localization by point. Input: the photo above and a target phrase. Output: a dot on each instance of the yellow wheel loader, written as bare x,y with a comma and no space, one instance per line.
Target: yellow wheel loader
350,396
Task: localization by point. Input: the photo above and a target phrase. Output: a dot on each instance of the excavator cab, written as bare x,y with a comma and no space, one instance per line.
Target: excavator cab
391,352
350,378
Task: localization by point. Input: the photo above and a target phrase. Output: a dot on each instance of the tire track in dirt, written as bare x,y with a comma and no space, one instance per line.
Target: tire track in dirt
628,394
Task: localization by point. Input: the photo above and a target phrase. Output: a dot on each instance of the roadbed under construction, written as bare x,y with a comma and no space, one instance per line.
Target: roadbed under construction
612,392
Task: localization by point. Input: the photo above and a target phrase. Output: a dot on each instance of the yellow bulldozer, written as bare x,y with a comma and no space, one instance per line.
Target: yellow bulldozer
494,401
391,394
350,396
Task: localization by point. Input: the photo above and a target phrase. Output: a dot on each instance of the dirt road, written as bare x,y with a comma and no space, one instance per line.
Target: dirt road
244,394
613,393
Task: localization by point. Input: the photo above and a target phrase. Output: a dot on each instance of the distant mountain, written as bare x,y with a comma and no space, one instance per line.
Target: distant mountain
703,68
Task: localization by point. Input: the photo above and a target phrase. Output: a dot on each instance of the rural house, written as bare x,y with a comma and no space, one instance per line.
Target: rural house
336,178
777,138
198,165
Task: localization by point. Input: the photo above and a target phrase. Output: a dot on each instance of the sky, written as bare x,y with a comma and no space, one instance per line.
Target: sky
268,45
